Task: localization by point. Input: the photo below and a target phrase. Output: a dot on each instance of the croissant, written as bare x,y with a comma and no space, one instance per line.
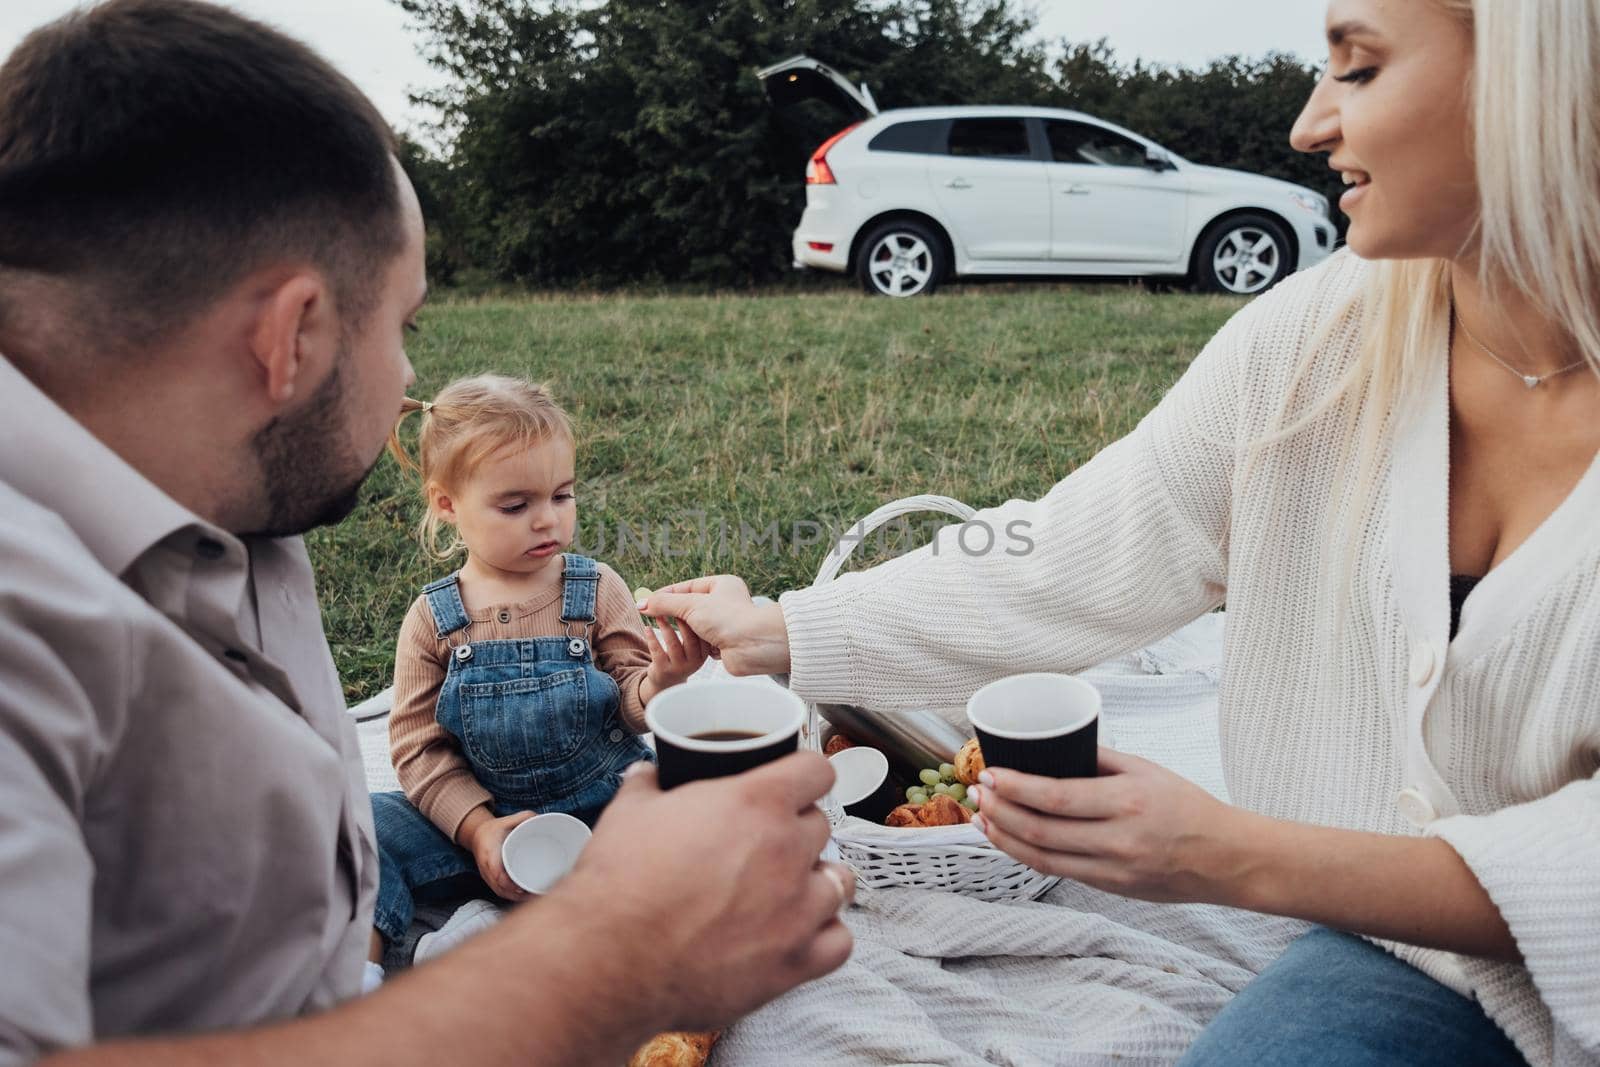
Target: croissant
969,763
676,1050
940,810
905,815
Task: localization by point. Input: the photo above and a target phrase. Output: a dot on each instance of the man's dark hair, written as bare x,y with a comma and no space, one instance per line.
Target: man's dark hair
160,150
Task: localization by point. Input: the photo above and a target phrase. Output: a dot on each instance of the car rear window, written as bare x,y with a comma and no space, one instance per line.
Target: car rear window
922,135
990,138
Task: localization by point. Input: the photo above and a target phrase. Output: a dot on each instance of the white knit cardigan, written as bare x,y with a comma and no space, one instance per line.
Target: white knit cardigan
1490,741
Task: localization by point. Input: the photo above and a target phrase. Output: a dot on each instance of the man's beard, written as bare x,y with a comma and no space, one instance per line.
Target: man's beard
310,477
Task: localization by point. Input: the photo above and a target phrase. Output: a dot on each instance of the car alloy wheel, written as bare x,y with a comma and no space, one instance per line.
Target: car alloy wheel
900,264
1246,260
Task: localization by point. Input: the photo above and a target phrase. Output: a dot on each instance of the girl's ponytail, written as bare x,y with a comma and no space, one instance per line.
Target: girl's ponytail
397,449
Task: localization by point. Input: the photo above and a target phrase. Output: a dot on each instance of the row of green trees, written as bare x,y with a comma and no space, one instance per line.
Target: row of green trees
612,141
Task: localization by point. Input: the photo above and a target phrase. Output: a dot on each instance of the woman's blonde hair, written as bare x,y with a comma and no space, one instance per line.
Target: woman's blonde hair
1535,109
470,420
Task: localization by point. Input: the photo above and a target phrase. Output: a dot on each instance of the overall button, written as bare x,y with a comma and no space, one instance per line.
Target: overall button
616,735
1418,809
1423,662
575,646
464,653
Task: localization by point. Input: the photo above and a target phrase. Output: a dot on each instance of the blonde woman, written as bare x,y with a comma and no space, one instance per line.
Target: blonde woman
1386,468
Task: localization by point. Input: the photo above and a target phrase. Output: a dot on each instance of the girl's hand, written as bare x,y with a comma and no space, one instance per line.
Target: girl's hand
674,654
484,844
750,638
1138,830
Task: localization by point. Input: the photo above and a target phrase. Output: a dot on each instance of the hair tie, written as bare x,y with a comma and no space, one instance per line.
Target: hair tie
427,406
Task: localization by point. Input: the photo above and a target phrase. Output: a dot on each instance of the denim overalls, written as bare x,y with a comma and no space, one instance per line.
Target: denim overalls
540,725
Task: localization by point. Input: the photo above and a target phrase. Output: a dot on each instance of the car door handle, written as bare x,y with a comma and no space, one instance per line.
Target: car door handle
958,183
1077,190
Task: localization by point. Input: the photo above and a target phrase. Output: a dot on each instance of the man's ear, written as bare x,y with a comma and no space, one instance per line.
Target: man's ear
294,316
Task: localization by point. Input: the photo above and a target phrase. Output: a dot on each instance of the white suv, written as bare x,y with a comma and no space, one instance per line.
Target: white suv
907,198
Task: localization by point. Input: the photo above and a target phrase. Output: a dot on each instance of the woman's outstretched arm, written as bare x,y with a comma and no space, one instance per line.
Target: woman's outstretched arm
1121,552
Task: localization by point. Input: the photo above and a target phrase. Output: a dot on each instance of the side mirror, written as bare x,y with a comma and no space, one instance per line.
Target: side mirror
1156,159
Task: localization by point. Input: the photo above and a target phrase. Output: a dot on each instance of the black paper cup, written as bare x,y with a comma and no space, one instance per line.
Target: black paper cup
862,785
1045,724
676,716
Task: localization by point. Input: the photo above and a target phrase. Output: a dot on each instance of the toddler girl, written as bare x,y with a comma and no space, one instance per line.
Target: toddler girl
520,679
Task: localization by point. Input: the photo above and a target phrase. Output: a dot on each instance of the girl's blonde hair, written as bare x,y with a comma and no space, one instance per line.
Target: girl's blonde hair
1535,109
470,420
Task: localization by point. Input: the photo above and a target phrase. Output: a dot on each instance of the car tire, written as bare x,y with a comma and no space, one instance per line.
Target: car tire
1244,255
901,258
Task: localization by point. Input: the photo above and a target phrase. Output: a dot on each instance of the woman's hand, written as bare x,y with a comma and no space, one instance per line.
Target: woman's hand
1138,829
1142,831
482,835
750,638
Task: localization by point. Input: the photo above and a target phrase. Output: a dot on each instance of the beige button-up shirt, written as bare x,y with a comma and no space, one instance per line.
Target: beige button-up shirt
185,834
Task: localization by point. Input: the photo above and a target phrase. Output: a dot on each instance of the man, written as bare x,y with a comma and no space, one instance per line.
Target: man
208,260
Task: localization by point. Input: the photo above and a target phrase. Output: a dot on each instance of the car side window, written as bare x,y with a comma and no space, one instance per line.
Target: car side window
990,139
922,135
1080,142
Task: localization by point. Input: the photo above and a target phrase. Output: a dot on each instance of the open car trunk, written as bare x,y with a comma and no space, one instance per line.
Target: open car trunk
802,78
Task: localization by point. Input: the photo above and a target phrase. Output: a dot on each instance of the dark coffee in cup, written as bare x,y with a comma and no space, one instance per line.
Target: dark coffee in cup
721,728
725,735
1044,724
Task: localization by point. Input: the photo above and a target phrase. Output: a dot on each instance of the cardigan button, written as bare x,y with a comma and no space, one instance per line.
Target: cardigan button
1423,662
616,736
1417,808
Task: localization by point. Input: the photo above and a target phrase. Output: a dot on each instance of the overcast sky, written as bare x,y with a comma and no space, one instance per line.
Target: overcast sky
369,41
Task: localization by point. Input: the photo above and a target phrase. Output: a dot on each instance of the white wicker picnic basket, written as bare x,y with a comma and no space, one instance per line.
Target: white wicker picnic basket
957,859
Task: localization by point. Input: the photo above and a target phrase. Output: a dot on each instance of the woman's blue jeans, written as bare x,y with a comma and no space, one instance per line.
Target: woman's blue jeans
1334,1000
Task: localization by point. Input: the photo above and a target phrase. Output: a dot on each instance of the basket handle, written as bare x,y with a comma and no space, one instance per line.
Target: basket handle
895,509
830,568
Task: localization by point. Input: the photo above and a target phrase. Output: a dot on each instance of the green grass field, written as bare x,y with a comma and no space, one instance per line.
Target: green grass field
704,420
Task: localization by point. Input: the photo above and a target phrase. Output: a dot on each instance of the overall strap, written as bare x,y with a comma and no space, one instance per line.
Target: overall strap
580,582
444,600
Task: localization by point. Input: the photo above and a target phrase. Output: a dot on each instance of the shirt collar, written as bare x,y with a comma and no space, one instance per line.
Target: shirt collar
50,457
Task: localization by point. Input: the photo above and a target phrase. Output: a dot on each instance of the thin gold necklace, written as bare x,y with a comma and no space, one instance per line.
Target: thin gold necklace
1532,381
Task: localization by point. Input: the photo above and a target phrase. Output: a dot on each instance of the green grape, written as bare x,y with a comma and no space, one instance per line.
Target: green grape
958,791
947,771
929,778
917,797
912,791
942,787
969,803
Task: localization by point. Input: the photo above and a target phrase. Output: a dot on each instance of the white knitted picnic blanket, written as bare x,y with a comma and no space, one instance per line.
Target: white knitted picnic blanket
1077,977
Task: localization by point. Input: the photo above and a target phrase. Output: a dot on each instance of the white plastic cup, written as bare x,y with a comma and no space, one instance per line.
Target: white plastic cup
862,786
538,853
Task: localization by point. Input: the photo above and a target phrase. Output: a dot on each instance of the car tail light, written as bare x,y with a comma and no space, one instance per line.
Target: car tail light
820,246
817,171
